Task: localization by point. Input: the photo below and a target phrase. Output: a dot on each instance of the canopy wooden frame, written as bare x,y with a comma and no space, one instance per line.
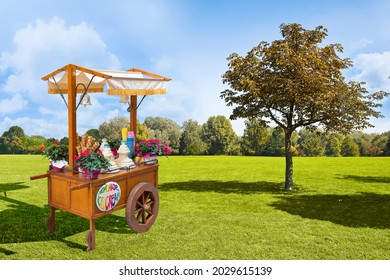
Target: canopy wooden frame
72,106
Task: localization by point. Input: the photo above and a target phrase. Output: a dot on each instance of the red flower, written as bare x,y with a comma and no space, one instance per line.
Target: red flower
57,143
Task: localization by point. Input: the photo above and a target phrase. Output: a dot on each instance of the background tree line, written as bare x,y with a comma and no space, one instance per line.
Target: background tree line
217,137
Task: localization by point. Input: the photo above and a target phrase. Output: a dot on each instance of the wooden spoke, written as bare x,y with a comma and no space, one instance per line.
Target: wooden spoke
137,217
144,217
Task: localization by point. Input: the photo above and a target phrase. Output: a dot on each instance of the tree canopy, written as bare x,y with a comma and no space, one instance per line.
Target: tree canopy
165,130
295,82
257,140
256,136
219,136
113,128
190,139
14,131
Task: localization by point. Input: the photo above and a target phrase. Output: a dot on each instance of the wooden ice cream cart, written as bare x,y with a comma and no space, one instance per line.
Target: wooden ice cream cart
132,188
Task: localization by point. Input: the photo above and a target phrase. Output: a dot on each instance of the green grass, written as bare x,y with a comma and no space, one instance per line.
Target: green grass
217,207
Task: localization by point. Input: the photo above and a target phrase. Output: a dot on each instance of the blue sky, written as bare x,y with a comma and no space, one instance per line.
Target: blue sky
187,41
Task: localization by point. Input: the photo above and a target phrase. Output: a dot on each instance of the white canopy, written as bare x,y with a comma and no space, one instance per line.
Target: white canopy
131,82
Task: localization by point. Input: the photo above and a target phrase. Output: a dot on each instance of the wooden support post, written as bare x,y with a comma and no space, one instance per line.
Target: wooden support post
50,221
72,128
91,235
133,115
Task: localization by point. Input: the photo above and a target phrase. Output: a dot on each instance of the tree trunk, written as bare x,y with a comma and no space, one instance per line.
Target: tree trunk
288,183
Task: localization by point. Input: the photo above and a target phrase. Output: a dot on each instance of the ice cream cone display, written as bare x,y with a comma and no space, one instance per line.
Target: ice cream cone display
87,144
108,155
123,160
104,141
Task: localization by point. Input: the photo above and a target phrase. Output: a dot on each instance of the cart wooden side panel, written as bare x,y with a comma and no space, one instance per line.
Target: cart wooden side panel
59,191
77,195
79,201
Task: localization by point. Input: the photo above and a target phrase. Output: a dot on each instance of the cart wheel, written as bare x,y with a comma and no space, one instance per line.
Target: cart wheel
142,207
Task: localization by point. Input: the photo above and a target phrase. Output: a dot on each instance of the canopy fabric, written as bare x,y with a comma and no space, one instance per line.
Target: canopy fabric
125,83
133,83
61,82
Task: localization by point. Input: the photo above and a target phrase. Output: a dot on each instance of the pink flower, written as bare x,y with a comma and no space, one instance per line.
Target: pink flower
84,154
167,151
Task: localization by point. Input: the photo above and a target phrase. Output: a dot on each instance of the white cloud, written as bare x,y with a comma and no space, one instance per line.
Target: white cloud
43,47
87,116
36,126
194,90
374,69
380,125
39,49
5,124
361,43
163,64
54,122
358,45
12,105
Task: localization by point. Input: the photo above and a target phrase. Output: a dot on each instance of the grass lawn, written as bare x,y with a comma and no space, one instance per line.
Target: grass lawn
215,207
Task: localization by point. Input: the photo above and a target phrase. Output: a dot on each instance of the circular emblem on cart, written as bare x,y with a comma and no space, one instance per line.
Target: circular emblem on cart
108,196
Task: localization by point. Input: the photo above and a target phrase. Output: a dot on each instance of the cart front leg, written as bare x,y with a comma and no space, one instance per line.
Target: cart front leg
91,235
50,221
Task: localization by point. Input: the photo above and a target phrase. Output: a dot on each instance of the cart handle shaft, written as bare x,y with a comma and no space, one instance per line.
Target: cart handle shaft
40,176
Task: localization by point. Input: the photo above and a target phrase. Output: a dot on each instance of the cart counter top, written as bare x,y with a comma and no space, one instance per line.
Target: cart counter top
103,177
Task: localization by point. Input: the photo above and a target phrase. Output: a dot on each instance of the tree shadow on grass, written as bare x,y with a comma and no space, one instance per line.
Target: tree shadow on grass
362,210
225,187
365,179
6,187
23,222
